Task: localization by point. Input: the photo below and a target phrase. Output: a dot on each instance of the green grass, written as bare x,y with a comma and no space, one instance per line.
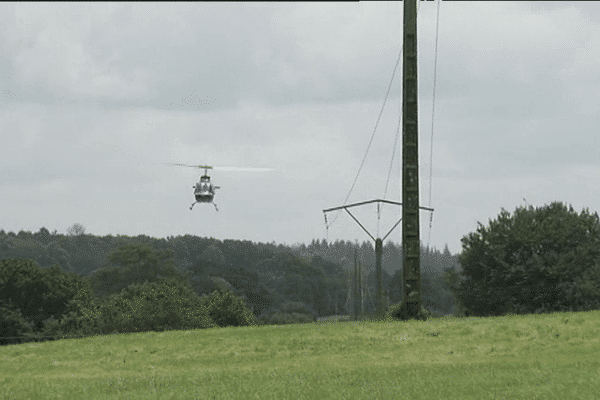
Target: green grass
553,356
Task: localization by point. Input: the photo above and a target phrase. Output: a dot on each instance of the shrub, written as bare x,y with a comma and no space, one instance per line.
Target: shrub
14,329
536,260
38,292
71,325
300,308
83,321
226,309
282,318
398,312
293,311
168,304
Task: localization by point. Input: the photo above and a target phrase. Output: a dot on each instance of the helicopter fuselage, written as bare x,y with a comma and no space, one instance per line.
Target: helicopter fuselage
204,198
204,191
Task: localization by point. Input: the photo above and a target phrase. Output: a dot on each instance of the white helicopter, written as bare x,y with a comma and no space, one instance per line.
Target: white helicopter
204,190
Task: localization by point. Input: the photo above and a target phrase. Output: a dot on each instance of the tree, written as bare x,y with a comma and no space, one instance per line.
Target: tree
134,263
37,294
451,278
43,236
304,283
165,304
538,260
214,254
433,294
395,287
76,230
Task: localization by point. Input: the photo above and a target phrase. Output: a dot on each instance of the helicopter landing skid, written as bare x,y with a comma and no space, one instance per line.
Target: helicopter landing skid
193,204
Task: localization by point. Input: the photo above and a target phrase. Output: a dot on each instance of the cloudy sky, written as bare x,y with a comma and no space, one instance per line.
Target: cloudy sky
94,96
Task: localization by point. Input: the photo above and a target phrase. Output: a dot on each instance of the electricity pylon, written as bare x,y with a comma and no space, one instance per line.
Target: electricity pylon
411,243
378,244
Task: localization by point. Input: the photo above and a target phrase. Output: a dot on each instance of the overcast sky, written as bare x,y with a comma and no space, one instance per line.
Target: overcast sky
93,96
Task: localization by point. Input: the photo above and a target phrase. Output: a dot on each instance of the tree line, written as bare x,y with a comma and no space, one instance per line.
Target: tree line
537,260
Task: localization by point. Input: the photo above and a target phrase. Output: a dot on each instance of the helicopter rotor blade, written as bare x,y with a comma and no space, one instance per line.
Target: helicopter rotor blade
188,165
223,168
243,169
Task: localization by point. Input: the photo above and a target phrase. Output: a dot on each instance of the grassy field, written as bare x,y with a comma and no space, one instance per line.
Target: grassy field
516,357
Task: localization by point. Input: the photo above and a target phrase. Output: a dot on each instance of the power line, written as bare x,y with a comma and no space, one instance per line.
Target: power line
372,135
396,139
437,29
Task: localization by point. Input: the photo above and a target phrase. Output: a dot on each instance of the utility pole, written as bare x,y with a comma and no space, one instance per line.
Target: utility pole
355,287
410,166
411,243
378,254
360,291
378,245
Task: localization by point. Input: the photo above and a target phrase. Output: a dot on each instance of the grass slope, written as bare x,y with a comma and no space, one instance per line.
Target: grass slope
553,356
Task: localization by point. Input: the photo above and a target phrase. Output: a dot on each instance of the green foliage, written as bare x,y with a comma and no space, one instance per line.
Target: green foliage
76,230
328,267
71,325
283,318
304,282
168,304
32,296
213,254
134,263
538,260
245,283
40,293
300,308
14,329
226,309
315,273
262,297
42,247
289,311
396,288
452,279
400,313
336,288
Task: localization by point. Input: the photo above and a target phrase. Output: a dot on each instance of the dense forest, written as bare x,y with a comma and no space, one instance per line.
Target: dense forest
253,270
536,261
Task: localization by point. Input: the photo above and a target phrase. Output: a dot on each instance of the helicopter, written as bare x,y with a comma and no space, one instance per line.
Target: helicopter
204,190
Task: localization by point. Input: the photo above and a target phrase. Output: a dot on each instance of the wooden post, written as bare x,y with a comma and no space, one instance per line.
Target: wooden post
360,291
355,290
378,254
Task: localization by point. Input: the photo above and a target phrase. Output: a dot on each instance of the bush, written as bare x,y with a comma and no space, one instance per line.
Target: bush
282,318
398,312
14,329
168,304
300,308
293,311
534,261
39,292
226,309
31,295
71,326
